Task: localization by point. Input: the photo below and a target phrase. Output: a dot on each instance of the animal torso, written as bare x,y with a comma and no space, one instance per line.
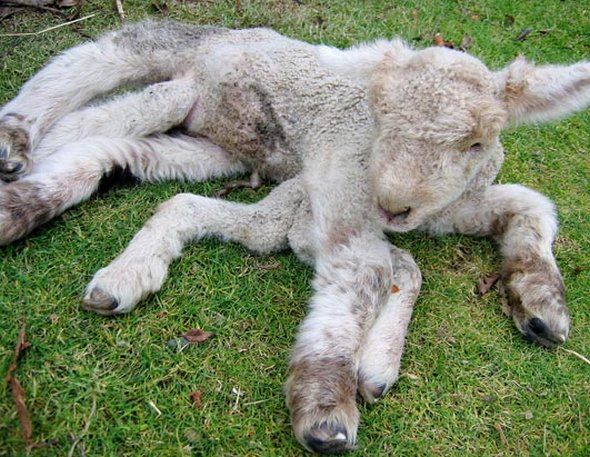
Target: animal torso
266,99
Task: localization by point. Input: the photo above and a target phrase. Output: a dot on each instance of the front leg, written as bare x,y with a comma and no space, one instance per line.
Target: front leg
142,268
352,282
525,224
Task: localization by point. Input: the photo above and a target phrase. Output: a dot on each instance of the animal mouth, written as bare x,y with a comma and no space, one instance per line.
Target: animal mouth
396,219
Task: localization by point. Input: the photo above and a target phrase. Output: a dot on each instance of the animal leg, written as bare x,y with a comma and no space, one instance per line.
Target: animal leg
524,224
352,282
68,82
74,173
142,268
382,347
157,108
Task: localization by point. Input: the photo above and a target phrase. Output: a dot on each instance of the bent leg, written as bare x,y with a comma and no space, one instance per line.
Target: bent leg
74,173
524,224
383,345
155,109
71,80
142,268
351,284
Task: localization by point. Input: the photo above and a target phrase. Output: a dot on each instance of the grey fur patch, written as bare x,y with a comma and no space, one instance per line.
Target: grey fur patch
26,208
320,385
168,36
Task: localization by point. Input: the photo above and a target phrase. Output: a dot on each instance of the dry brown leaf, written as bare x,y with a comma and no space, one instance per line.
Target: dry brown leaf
486,283
196,335
395,289
440,41
196,398
504,303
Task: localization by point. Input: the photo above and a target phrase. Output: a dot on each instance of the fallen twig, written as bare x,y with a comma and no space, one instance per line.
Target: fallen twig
120,11
18,394
49,29
578,355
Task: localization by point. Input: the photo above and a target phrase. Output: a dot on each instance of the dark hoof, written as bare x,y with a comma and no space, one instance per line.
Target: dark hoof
10,170
377,391
328,439
371,392
537,331
100,301
10,166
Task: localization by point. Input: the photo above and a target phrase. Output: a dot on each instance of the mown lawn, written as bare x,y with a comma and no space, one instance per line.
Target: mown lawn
470,384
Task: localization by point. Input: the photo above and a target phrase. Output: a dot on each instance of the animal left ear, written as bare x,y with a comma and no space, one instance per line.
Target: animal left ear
543,93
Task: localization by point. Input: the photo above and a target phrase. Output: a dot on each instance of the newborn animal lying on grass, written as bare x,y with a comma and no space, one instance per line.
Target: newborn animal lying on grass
376,138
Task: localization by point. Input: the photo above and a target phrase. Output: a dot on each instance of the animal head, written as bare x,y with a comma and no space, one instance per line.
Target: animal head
439,113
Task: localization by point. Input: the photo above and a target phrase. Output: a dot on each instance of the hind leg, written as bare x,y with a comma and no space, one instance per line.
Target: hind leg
157,108
68,82
73,174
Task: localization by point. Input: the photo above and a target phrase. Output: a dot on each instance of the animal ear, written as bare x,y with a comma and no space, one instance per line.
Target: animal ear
543,93
386,74
382,77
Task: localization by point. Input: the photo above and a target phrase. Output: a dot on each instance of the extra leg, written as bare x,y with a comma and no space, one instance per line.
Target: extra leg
524,223
382,347
352,283
74,173
142,268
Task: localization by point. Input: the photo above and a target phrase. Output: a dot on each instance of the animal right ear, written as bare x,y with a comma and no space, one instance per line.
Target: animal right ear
382,77
543,93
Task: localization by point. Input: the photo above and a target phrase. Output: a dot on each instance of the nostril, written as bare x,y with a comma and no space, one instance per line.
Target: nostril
397,216
403,213
11,166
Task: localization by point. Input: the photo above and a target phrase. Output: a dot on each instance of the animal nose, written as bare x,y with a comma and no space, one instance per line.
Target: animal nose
538,331
397,216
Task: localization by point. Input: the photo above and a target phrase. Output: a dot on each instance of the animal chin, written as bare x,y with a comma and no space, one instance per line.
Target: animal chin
398,220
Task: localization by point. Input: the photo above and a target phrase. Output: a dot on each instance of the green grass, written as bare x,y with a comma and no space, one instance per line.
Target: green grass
470,385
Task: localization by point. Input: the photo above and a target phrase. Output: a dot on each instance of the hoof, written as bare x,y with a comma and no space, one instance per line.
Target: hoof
371,392
321,394
11,170
328,438
99,301
14,151
537,331
536,297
